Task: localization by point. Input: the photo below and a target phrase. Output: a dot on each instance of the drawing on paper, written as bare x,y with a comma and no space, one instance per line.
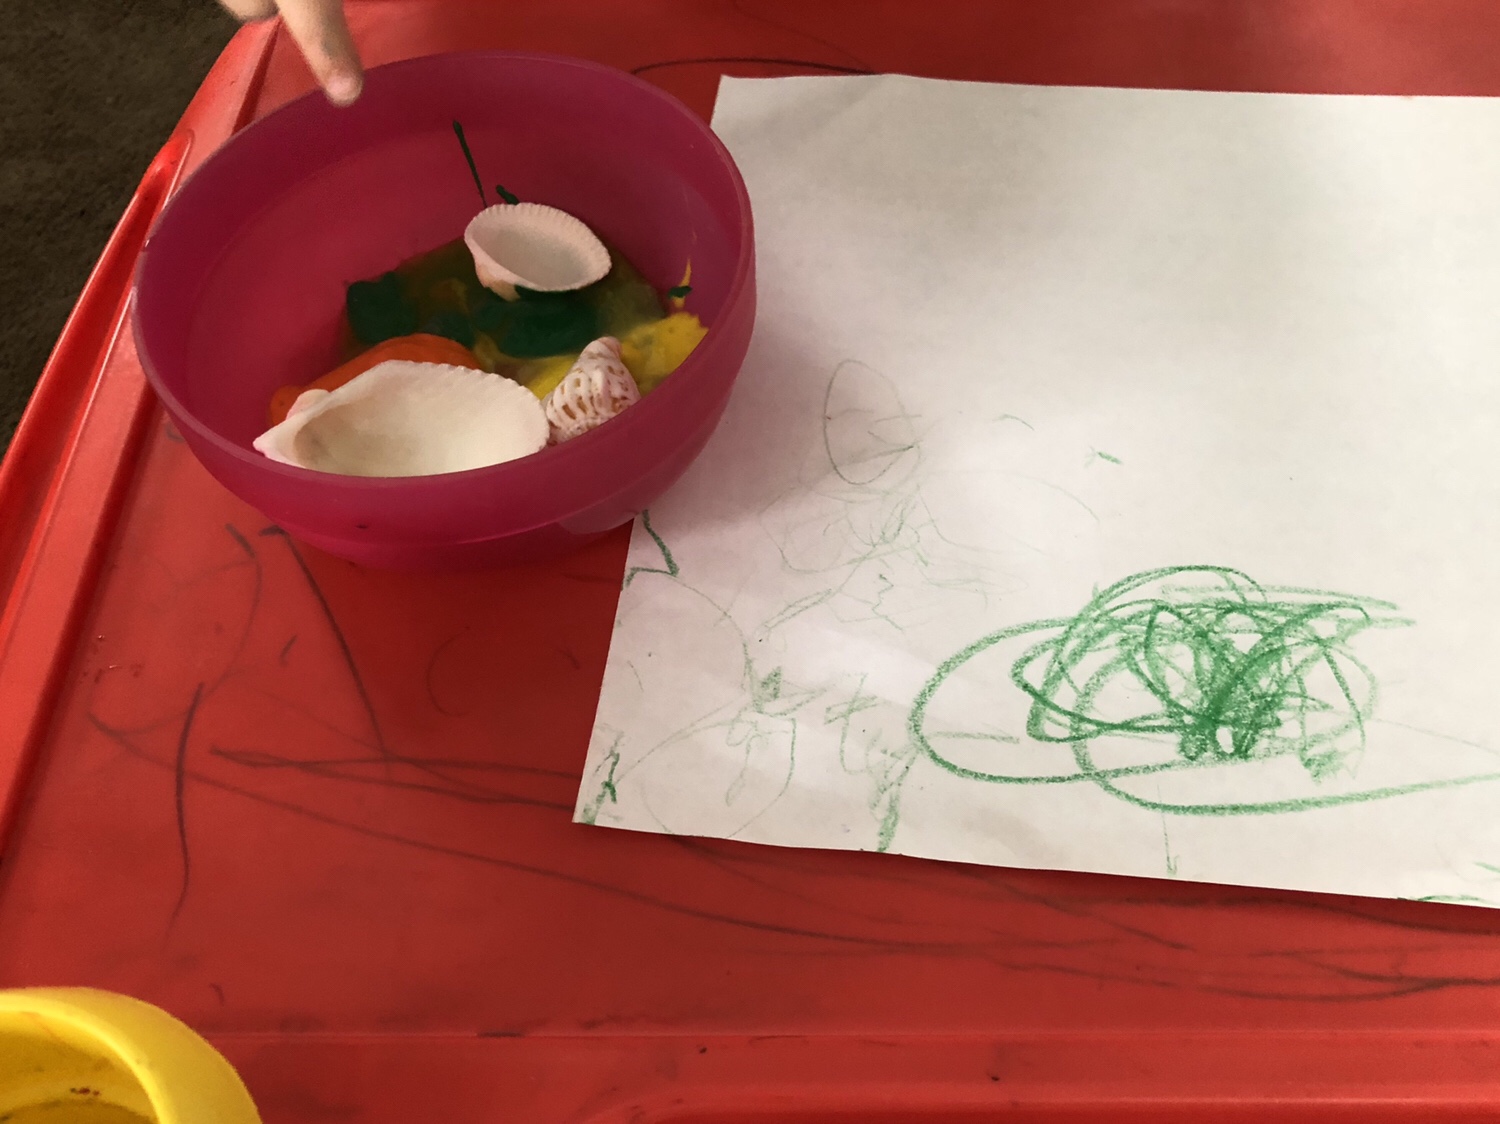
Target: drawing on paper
993,557
1185,690
1205,667
1192,690
857,545
1176,674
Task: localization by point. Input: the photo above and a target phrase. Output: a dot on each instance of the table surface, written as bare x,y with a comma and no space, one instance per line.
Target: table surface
324,813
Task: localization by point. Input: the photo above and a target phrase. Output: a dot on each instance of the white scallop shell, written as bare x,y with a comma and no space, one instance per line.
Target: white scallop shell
595,389
409,419
534,246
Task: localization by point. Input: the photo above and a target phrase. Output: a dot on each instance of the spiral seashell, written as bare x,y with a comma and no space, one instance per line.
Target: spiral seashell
598,387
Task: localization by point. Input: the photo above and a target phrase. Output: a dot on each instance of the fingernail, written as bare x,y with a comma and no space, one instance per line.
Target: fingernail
343,89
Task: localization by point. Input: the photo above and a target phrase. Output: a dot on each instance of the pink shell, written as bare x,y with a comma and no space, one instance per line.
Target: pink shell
597,388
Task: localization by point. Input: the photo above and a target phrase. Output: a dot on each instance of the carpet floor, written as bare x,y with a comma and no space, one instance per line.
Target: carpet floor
89,91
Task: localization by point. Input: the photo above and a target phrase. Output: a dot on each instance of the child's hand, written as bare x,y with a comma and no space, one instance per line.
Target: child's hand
319,30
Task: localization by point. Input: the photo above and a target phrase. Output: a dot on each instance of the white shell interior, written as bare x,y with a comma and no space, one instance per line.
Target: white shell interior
534,246
409,419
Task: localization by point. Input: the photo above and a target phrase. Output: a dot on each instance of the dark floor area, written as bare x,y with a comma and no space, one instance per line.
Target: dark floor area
89,90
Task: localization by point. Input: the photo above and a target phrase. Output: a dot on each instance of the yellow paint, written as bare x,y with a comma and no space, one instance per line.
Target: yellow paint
487,352
625,300
542,376
653,351
679,303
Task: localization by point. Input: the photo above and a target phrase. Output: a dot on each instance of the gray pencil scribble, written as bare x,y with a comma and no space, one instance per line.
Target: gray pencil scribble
858,544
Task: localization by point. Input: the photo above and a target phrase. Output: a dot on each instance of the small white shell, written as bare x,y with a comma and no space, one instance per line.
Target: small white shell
409,419
534,246
595,389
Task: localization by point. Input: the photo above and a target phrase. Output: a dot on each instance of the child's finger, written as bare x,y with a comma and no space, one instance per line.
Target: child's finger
319,29
246,10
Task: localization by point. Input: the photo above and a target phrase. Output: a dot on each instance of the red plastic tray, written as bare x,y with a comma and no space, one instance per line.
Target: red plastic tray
323,814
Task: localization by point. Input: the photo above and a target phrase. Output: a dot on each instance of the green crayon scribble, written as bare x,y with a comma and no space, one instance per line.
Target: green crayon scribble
590,813
669,565
1230,670
798,607
1228,664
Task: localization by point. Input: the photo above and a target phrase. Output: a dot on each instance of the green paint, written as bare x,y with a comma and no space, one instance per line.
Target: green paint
1228,670
624,300
1108,457
540,324
677,292
378,310
452,324
489,313
506,196
458,131
439,292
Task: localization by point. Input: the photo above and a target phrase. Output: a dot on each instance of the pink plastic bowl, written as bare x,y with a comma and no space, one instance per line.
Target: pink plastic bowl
241,286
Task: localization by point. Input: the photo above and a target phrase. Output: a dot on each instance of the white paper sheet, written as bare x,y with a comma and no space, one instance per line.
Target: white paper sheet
1017,345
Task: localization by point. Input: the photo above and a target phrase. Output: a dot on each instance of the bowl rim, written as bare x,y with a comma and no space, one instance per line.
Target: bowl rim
743,272
181,1074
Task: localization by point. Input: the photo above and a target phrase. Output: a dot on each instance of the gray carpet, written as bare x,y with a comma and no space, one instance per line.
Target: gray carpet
89,90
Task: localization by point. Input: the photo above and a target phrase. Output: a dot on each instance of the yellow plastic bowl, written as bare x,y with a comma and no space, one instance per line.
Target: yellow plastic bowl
80,1056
